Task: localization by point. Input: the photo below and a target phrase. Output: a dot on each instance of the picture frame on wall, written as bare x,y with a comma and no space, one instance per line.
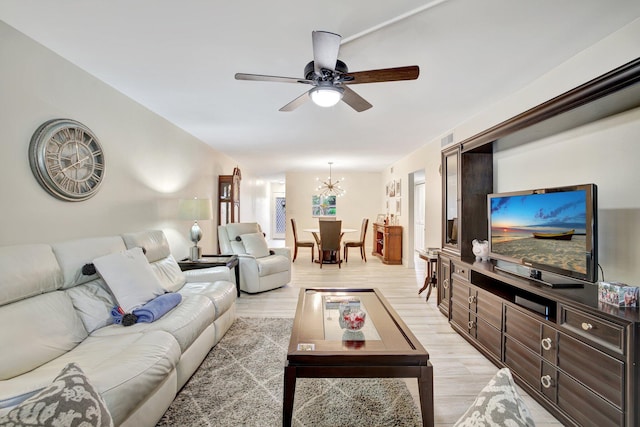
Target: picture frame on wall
398,206
398,187
392,189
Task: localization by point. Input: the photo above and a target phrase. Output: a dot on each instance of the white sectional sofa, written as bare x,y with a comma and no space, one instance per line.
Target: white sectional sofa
53,314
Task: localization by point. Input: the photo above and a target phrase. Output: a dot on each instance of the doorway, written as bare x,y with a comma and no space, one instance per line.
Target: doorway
416,223
279,225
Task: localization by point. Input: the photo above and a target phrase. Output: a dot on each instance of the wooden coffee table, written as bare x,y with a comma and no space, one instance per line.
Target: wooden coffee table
383,348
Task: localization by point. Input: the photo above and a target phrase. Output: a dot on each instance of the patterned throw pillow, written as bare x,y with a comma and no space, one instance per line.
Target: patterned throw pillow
498,404
70,401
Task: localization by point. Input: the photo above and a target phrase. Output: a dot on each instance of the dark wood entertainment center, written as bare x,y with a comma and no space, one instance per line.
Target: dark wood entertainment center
578,357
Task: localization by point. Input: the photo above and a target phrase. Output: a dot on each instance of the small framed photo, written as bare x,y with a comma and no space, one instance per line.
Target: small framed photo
398,206
398,187
380,219
306,347
392,189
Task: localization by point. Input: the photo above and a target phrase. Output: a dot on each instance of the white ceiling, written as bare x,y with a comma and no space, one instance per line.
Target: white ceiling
179,57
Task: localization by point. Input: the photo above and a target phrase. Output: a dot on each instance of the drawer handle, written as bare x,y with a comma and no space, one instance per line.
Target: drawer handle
471,324
587,326
472,299
546,381
460,271
445,283
546,343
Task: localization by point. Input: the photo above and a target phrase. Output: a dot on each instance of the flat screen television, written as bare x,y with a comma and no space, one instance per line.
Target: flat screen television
551,230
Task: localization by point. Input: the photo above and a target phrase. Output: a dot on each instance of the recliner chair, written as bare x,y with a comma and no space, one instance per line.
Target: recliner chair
261,268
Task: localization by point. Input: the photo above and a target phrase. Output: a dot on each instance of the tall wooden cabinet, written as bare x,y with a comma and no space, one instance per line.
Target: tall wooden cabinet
576,356
229,198
387,243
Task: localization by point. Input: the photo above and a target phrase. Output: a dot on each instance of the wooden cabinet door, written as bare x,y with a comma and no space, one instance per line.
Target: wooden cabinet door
444,284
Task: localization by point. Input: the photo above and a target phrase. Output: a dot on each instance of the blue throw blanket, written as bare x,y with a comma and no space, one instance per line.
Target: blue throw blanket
157,307
153,310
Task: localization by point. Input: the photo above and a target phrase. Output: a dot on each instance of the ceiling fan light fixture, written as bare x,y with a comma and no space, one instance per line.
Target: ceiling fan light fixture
326,96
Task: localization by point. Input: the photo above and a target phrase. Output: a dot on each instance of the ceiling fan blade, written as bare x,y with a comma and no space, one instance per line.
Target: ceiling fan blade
355,101
263,78
296,102
384,75
326,46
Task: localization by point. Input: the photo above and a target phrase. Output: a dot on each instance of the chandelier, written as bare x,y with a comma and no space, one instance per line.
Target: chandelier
330,187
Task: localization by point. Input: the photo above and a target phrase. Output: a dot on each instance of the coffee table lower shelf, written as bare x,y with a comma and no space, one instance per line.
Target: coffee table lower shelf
424,375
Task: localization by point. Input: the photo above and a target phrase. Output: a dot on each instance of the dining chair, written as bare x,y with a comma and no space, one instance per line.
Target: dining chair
316,237
300,243
330,236
357,243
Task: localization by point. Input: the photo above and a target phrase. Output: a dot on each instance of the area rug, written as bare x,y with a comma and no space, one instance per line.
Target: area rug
240,384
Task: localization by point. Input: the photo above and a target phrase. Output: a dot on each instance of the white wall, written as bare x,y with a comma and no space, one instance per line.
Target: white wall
427,158
604,152
362,200
150,163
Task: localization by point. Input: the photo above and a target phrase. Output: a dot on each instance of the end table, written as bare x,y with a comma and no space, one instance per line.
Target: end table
229,261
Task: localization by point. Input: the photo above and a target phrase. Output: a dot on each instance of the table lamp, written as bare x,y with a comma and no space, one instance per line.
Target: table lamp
195,209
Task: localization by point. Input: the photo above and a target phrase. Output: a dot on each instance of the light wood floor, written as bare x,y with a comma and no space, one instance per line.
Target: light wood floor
460,371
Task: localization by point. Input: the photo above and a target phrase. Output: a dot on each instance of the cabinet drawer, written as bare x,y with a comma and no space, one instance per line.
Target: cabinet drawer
523,328
489,308
460,316
586,408
489,337
460,270
595,330
460,293
522,362
598,371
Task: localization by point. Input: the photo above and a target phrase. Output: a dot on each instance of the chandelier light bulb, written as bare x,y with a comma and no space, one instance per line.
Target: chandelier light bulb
330,187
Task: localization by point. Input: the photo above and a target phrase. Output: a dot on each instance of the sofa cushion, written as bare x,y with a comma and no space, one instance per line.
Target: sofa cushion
154,242
70,400
236,229
125,368
255,244
72,255
93,303
272,264
221,293
36,331
27,270
169,273
158,253
185,322
498,404
130,278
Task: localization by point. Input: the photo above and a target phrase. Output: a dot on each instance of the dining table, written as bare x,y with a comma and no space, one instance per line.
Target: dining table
327,257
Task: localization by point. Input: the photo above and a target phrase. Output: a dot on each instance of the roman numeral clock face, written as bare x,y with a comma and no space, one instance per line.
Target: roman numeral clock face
67,159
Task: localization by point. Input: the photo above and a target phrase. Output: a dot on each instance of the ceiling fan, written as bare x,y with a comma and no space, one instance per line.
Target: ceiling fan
330,77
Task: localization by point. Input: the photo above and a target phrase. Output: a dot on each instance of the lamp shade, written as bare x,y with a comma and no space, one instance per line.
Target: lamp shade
195,209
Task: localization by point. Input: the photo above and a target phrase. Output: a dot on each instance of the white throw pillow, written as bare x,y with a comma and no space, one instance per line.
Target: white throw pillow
255,244
130,278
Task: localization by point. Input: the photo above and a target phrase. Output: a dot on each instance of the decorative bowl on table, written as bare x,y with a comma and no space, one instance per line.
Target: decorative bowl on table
351,319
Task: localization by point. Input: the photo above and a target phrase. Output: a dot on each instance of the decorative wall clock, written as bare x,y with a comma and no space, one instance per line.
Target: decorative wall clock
67,159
